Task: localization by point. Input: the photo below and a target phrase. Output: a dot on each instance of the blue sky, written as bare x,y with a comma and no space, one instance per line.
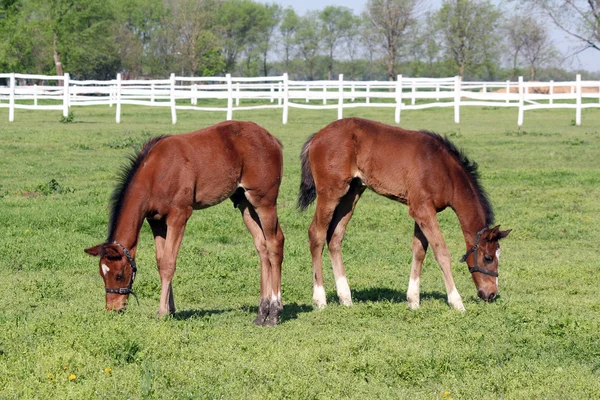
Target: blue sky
589,59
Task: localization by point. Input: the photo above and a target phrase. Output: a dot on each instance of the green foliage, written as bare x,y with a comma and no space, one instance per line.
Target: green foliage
69,119
538,340
51,187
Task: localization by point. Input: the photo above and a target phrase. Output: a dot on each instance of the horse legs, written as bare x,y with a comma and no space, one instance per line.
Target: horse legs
419,249
428,223
275,240
335,236
175,221
253,224
159,230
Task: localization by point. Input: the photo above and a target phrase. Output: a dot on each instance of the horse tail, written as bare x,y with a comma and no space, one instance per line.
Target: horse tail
308,192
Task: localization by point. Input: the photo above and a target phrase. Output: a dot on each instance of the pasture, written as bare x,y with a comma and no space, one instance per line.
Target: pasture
539,339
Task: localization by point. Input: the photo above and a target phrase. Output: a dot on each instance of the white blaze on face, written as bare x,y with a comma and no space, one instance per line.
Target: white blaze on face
105,269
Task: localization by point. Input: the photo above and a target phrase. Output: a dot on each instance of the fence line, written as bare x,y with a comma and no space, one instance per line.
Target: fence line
404,94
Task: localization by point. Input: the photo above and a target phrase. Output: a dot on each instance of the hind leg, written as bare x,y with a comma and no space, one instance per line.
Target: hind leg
419,249
327,202
260,216
335,236
252,222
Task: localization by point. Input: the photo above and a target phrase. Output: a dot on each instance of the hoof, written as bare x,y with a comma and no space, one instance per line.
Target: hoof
414,305
346,301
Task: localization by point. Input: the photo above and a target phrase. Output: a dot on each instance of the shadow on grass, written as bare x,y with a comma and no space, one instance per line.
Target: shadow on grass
290,311
189,314
385,294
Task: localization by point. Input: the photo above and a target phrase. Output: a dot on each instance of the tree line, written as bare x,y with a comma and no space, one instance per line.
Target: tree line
476,39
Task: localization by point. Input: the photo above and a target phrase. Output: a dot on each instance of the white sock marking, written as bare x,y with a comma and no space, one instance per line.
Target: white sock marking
319,296
455,300
413,292
343,290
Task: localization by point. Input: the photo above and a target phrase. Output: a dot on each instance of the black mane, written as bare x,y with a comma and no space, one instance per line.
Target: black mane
471,168
125,177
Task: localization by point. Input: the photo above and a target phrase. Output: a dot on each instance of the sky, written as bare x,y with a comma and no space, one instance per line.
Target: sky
588,60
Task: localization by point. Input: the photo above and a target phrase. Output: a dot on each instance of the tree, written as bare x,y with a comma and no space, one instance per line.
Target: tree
469,33
308,40
266,32
236,20
513,31
537,46
579,19
390,20
336,23
287,29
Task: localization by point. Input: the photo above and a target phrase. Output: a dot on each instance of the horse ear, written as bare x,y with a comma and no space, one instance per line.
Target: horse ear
497,234
503,234
94,251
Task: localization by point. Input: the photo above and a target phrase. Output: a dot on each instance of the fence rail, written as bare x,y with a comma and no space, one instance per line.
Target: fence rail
42,92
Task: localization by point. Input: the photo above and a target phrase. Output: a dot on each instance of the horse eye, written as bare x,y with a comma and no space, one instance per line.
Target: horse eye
488,258
119,277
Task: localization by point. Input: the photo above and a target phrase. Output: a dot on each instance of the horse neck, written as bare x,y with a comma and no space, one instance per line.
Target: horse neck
130,220
471,214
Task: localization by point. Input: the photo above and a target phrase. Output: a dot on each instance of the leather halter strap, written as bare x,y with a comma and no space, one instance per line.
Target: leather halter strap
127,289
475,267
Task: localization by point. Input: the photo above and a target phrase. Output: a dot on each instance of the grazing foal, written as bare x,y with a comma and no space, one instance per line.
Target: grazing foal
420,169
172,176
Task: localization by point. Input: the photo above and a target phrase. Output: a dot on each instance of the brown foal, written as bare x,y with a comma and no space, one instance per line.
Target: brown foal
172,176
420,169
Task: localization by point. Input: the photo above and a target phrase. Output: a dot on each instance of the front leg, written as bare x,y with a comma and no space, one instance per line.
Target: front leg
175,222
428,223
419,249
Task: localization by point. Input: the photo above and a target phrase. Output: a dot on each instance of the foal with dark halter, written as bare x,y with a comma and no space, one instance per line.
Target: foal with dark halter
172,176
420,169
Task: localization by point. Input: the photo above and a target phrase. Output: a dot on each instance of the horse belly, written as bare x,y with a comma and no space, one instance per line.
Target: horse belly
210,194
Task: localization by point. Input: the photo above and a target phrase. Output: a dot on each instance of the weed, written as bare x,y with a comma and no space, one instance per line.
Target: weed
68,119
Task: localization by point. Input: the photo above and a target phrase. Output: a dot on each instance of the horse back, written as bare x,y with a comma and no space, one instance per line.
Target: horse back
394,162
206,166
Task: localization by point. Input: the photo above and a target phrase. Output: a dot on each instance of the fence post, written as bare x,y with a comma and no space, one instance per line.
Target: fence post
507,92
279,91
307,92
35,94
521,102
414,91
229,98
11,99
578,101
368,99
285,98
341,97
551,92
324,93
66,95
398,98
457,99
118,98
173,111
152,94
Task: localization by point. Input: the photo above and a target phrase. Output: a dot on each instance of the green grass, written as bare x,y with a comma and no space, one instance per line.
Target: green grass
540,339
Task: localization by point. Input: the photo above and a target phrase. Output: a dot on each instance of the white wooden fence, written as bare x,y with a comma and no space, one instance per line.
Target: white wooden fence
225,94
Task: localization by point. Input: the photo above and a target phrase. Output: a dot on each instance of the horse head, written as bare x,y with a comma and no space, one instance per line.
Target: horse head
117,269
486,256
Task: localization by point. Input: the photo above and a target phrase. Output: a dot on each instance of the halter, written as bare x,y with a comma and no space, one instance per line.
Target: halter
126,290
473,249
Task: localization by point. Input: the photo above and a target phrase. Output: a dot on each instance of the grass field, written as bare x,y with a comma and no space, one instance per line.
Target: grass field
540,339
